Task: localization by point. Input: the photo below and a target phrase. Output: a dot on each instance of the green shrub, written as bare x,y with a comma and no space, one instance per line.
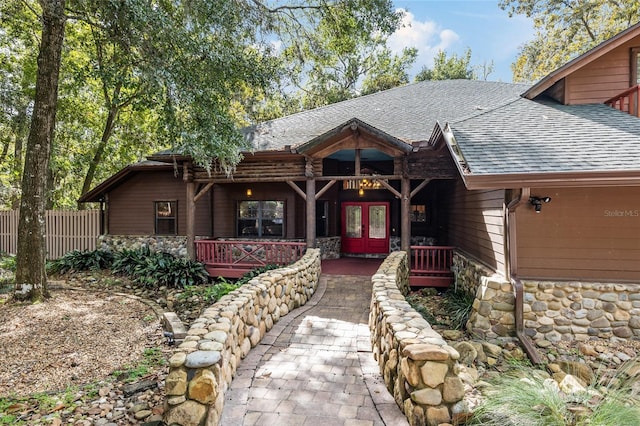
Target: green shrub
152,269
7,262
209,293
77,261
514,400
458,304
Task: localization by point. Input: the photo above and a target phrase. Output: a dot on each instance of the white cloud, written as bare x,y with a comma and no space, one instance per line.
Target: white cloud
426,36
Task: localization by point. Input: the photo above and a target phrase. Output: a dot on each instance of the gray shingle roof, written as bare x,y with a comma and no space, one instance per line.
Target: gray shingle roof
408,113
527,136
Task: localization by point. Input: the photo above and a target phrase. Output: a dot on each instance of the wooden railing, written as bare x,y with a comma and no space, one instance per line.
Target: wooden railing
626,101
232,259
431,266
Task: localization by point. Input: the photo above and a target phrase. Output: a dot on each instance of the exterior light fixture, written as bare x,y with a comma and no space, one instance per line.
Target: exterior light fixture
361,191
536,202
249,192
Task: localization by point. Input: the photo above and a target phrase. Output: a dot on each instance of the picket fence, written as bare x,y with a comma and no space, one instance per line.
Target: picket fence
66,230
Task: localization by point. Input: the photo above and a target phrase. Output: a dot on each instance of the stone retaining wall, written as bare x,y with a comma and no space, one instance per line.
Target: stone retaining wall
172,244
204,364
553,311
419,368
329,247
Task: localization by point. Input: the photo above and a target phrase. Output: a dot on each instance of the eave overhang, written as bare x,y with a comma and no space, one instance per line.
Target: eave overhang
553,180
582,60
97,193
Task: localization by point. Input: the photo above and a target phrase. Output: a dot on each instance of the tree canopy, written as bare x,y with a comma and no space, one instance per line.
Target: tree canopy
127,89
565,29
448,68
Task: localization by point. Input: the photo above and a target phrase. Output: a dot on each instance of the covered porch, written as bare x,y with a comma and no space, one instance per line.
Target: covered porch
430,265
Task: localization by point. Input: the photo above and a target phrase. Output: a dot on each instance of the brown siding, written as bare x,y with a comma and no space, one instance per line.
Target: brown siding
476,224
256,167
583,233
225,200
432,164
603,78
131,204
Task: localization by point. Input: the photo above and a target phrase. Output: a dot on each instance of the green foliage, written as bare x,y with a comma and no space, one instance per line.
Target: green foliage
7,262
77,261
565,30
11,408
255,272
209,293
458,304
152,358
529,399
155,269
448,68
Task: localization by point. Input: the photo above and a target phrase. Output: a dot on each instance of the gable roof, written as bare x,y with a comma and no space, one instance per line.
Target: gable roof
543,141
97,193
582,60
407,113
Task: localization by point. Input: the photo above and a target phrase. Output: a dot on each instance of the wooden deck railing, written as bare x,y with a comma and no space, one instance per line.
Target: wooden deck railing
232,259
626,101
431,266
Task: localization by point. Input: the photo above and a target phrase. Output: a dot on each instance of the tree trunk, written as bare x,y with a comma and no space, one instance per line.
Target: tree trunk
31,276
97,157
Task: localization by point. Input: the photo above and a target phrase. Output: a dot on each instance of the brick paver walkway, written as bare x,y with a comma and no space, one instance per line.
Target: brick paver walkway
315,366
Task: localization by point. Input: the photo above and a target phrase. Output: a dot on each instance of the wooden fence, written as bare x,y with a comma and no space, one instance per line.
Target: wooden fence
66,230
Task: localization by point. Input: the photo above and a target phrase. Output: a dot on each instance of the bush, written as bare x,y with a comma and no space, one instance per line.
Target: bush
77,261
458,304
152,269
529,399
7,262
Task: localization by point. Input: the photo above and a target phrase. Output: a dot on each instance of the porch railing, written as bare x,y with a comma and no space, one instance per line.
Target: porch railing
626,101
232,259
431,266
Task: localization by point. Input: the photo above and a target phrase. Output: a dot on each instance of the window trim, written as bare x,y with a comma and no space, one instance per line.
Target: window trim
172,203
259,218
633,77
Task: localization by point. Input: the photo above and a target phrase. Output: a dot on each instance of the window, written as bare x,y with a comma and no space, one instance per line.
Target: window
635,66
260,219
166,213
418,213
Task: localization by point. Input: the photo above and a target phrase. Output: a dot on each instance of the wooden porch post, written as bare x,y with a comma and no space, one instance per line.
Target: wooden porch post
311,205
405,210
187,176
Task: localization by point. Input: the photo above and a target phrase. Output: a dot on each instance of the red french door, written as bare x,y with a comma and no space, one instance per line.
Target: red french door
365,227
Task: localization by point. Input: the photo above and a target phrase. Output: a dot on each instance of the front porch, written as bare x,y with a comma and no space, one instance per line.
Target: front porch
430,265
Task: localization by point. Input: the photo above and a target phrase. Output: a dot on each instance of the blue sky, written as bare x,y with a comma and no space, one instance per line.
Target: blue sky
455,25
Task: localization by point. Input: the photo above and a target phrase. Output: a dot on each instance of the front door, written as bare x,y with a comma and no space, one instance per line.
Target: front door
365,227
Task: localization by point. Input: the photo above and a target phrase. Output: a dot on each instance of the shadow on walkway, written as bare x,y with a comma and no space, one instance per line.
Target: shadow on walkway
315,366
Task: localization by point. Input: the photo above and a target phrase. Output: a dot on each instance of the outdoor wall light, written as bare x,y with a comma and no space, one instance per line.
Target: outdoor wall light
536,202
249,192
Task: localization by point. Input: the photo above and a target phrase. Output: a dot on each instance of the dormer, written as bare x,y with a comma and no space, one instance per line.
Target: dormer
609,73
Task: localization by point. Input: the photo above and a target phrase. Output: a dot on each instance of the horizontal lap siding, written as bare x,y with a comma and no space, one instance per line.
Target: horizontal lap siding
131,205
476,224
603,78
583,233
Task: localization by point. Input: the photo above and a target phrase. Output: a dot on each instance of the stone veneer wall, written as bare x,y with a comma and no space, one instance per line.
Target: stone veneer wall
419,368
204,364
173,244
552,311
329,247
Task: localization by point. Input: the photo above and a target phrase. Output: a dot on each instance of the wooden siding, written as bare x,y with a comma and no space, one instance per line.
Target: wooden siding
432,164
603,78
583,233
476,224
259,167
226,197
131,205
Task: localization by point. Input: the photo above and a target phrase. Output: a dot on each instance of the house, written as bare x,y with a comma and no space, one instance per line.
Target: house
531,194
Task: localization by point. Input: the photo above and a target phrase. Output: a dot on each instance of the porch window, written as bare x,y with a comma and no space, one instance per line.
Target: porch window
635,66
260,219
418,213
166,214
